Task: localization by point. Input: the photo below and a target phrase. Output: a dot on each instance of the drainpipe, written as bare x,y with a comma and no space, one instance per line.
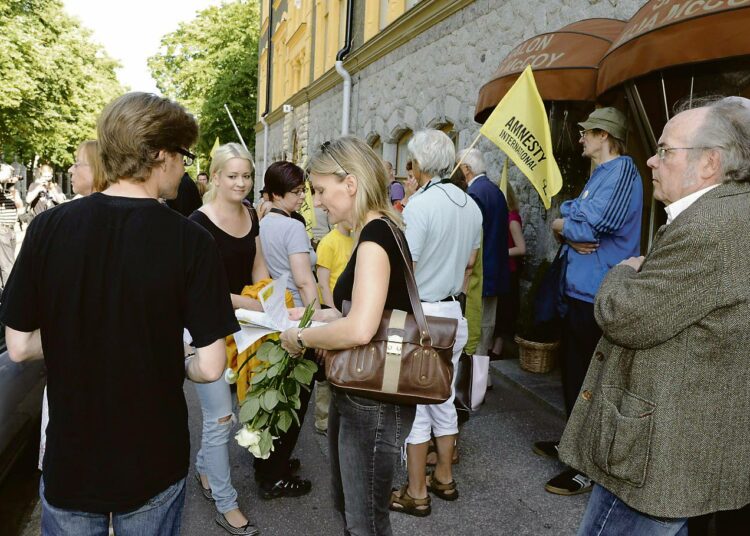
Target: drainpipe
268,95
345,110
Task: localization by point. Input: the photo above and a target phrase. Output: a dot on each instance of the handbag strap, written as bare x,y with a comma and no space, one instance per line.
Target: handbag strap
411,286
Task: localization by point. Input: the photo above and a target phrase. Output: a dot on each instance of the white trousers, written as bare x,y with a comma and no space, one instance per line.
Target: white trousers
441,419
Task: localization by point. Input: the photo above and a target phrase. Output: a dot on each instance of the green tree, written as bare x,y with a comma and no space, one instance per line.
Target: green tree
212,61
55,82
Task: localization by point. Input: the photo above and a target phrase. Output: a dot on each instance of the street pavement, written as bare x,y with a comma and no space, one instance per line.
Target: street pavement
501,481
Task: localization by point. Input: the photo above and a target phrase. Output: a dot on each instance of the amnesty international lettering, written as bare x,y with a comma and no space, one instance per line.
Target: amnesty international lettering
519,127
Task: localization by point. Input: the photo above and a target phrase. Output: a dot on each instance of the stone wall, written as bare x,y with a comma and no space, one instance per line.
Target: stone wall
435,78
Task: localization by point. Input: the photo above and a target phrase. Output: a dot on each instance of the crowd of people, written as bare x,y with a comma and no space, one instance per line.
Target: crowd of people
652,348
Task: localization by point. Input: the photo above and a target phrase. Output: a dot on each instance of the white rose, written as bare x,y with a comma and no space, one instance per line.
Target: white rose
247,438
255,451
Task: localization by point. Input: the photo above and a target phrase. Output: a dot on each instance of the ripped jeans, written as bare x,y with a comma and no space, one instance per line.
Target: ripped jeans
213,456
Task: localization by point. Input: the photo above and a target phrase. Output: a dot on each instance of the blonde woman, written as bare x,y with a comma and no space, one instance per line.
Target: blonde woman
364,434
234,228
86,174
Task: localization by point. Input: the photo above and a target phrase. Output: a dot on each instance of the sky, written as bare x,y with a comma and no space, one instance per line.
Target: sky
130,30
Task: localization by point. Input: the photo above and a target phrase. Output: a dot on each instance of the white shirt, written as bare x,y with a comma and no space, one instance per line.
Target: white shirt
679,206
443,227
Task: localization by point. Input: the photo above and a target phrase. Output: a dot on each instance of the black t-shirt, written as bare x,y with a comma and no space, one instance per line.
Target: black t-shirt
188,197
238,254
379,232
111,282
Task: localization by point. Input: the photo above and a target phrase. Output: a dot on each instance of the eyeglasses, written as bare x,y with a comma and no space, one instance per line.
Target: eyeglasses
79,164
189,157
326,148
582,132
662,152
299,192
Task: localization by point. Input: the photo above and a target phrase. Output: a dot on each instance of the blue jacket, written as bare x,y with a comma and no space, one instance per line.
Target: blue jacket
494,209
608,211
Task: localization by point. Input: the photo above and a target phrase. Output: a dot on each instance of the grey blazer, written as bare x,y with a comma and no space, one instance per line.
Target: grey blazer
663,417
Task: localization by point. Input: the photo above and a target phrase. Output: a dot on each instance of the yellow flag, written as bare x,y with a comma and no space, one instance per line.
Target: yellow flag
307,209
216,146
504,179
519,127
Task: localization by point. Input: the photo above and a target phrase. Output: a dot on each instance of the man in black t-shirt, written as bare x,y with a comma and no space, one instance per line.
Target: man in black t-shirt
103,288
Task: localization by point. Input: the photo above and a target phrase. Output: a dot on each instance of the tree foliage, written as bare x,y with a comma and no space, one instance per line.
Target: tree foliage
55,82
211,61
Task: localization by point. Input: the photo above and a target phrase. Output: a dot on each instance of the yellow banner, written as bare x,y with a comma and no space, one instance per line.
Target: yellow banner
519,127
307,209
216,146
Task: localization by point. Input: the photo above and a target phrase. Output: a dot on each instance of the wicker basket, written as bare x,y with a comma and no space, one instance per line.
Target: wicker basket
538,357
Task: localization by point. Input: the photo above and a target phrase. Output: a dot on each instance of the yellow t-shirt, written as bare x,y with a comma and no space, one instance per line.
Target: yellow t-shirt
334,251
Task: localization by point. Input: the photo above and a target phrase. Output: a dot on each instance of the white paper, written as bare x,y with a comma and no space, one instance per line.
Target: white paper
273,319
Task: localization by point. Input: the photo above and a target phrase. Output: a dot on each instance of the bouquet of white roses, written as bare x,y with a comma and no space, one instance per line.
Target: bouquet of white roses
273,401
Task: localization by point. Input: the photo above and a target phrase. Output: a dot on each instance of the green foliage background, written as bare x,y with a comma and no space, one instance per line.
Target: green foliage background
55,82
211,61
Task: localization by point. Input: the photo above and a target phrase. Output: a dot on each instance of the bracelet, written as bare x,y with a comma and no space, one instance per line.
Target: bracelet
300,342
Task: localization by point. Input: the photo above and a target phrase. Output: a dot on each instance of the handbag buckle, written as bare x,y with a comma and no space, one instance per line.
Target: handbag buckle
394,345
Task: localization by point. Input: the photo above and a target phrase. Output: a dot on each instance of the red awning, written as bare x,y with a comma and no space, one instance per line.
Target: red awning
564,62
667,33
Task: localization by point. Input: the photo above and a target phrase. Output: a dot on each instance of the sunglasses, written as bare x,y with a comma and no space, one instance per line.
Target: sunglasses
189,157
326,148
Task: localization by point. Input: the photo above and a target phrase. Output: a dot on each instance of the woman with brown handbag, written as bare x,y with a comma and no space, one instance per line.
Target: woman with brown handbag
364,434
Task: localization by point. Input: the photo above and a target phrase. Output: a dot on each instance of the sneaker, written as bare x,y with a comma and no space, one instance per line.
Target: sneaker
569,482
247,530
548,449
285,487
294,465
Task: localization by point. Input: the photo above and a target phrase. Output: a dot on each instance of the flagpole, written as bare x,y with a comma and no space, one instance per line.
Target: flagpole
235,126
461,161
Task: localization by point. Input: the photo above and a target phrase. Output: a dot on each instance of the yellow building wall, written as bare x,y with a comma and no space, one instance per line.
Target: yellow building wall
376,19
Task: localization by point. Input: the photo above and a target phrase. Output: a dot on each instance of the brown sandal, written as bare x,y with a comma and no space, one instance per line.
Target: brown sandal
406,504
447,492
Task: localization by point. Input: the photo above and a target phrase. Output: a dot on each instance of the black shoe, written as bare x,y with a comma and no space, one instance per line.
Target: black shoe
285,487
205,491
569,482
247,530
294,465
548,449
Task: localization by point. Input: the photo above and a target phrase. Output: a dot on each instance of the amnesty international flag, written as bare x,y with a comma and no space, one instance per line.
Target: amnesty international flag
519,127
504,179
216,146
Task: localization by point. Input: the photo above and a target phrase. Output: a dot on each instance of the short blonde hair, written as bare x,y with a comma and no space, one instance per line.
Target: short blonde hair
91,149
222,155
132,130
351,155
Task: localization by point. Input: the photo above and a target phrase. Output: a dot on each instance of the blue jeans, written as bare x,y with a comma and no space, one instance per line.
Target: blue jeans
161,515
365,438
606,515
213,456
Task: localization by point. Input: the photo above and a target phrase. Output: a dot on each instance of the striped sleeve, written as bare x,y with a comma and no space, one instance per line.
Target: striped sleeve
616,211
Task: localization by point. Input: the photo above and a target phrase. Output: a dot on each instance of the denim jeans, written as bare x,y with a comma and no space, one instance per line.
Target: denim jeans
161,515
606,515
213,456
365,438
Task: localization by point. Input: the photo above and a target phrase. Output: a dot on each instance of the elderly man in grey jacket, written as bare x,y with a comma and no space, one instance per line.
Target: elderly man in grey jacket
662,422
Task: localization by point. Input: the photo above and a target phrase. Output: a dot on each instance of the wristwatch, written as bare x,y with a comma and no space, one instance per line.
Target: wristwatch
300,342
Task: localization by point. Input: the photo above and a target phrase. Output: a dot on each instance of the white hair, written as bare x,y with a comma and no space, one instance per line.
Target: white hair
474,159
433,151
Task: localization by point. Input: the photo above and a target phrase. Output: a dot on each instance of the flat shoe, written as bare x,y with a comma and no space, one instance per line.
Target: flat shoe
205,491
247,530
447,492
406,504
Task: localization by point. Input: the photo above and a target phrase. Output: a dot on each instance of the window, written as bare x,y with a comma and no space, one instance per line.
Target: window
402,153
377,146
383,13
411,3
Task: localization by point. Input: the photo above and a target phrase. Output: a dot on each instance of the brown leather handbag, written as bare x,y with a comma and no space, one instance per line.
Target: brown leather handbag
408,360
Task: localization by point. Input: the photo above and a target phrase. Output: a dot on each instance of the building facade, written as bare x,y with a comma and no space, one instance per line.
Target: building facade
413,63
